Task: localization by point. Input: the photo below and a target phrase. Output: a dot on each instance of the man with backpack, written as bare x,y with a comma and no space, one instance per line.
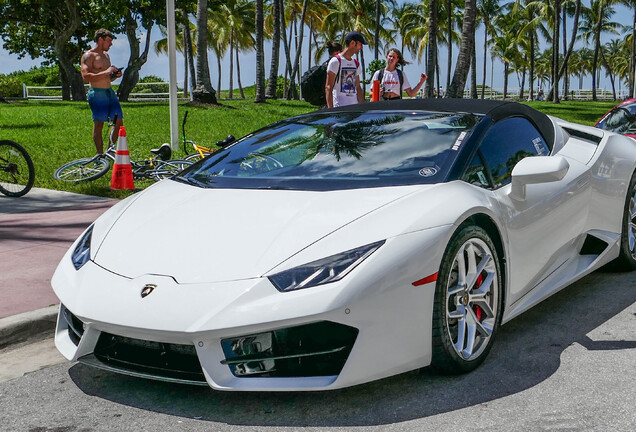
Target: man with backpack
313,81
343,74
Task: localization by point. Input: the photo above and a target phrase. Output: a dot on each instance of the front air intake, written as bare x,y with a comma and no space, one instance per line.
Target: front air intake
318,349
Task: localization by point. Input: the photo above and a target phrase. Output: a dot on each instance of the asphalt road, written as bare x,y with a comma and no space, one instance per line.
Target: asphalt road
568,364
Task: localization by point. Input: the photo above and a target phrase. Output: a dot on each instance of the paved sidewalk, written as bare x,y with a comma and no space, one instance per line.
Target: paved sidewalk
36,230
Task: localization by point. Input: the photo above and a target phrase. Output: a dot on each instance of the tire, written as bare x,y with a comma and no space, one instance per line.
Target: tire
82,170
169,168
17,173
468,303
626,260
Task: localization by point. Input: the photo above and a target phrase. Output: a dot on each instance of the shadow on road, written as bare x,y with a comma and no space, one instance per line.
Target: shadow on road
527,352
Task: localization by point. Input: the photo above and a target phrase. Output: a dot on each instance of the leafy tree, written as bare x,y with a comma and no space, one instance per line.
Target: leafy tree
56,30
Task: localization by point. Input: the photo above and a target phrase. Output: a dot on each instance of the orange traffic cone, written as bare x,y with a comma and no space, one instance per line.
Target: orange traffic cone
122,171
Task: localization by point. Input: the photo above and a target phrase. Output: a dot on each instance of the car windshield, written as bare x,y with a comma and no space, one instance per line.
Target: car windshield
327,151
621,119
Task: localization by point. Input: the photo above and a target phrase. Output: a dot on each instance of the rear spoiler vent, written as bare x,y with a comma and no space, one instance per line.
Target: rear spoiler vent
583,135
593,246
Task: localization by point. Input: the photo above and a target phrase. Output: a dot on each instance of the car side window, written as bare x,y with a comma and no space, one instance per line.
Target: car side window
476,173
506,143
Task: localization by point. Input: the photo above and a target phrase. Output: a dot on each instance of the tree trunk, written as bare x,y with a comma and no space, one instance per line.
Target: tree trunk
449,6
523,82
238,72
597,48
292,92
66,86
272,83
555,52
203,92
462,67
376,39
432,49
283,29
531,83
260,54
135,61
473,74
187,36
230,93
219,66
505,89
483,83
632,69
62,35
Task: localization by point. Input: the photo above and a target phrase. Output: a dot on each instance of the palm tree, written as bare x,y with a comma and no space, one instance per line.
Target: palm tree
505,44
432,49
183,44
613,58
568,51
355,15
238,16
596,21
272,83
203,92
456,88
487,10
260,54
404,18
533,15
292,92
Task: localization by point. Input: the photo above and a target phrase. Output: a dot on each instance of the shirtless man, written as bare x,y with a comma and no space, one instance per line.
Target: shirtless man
97,70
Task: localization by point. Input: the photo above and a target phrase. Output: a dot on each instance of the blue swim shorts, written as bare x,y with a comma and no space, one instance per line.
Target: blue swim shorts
104,104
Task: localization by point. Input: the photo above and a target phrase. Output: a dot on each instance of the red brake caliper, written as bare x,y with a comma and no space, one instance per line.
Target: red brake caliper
478,311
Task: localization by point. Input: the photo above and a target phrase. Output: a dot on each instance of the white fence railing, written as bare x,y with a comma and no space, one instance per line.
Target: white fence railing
157,91
602,94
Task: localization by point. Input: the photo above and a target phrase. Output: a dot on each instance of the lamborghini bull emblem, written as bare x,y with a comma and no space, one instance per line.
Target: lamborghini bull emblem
147,289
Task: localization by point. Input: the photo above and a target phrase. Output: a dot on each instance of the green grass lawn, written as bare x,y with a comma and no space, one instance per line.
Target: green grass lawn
57,132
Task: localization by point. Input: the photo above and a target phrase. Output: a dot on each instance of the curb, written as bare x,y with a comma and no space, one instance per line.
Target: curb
27,325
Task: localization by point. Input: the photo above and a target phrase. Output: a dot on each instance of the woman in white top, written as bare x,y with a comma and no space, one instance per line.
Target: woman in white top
392,79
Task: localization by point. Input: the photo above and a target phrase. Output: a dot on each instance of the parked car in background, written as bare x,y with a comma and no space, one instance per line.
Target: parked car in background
620,119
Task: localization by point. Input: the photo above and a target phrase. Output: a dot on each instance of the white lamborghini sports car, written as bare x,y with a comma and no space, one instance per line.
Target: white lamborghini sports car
348,245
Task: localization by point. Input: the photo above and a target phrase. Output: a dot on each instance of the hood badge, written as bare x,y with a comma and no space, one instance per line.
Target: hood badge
147,289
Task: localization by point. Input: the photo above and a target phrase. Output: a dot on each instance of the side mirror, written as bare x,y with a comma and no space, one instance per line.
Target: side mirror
536,169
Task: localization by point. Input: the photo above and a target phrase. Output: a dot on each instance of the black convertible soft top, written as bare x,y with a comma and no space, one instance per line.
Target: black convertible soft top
496,110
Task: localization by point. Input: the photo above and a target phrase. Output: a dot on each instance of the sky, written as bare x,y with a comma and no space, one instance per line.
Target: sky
158,64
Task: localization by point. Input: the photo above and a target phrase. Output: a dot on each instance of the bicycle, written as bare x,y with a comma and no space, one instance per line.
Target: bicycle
17,173
195,152
155,168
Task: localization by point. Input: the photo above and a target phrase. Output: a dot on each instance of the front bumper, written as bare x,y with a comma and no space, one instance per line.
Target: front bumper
386,322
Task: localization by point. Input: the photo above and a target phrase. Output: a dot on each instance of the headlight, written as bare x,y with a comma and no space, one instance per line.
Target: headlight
82,252
323,271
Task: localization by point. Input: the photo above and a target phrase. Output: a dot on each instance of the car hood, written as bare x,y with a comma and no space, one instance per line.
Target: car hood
210,235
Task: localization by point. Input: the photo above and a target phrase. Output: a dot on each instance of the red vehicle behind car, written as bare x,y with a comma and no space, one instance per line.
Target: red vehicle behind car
620,119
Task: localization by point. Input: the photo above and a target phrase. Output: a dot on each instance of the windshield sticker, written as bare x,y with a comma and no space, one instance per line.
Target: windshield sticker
482,178
459,140
428,172
538,145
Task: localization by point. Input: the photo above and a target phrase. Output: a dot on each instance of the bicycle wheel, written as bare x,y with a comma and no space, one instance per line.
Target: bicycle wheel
195,157
169,168
17,173
82,170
